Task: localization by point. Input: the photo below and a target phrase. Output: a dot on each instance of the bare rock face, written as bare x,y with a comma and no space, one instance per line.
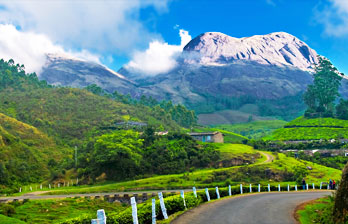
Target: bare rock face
67,71
279,49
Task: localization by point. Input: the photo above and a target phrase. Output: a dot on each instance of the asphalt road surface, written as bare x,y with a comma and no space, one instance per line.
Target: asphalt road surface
262,208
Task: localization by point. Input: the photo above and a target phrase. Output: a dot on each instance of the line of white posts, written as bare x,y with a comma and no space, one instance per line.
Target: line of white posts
49,186
101,218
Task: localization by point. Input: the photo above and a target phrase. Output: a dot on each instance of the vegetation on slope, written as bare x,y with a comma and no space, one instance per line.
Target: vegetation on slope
254,129
312,129
124,154
282,169
25,153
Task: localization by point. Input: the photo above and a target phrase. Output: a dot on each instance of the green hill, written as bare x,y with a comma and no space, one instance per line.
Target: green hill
312,129
254,129
25,153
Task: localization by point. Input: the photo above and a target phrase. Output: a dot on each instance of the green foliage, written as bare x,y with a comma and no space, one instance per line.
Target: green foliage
336,162
342,110
312,129
9,220
122,154
173,204
320,95
117,154
254,129
341,200
319,211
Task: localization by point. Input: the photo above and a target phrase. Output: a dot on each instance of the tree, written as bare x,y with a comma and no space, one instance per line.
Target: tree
341,200
342,109
320,95
118,154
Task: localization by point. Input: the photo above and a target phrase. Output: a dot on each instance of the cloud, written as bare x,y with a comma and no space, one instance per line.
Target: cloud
102,26
160,57
30,48
334,17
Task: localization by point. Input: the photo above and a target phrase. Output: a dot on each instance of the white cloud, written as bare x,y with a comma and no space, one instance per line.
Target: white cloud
102,26
30,48
334,17
159,58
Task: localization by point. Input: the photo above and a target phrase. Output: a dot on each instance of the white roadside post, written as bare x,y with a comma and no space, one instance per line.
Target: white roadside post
328,186
49,186
20,190
229,190
295,187
288,187
207,194
259,188
313,186
58,185
217,192
163,207
307,187
251,189
31,189
269,188
101,216
321,185
183,197
194,191
278,187
241,188
134,210
40,186
153,211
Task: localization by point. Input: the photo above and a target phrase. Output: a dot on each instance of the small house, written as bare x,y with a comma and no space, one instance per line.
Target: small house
216,137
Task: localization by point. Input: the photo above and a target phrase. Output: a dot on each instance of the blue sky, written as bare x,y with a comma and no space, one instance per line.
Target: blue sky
253,17
120,32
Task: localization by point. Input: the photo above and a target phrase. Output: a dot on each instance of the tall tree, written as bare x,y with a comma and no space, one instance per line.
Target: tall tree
320,95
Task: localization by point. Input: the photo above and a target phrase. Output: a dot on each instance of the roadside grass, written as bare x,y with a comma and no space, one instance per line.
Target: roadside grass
9,220
57,210
254,129
318,211
239,151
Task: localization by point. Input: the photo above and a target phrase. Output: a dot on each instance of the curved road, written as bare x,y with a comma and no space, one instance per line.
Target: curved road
261,208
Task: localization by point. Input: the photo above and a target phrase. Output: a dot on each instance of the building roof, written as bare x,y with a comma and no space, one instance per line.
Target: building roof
203,133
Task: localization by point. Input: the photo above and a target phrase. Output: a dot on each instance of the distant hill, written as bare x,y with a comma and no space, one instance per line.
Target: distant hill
312,129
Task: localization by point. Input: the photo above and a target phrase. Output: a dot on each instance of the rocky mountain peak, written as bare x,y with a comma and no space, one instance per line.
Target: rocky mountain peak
279,49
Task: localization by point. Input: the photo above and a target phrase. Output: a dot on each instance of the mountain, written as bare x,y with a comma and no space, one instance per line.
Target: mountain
276,49
215,73
63,70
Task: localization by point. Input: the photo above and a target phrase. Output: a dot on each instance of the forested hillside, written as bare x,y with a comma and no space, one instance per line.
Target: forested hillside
40,124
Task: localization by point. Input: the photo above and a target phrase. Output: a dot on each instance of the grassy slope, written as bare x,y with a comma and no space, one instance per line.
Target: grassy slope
25,150
214,177
255,129
71,115
9,220
312,129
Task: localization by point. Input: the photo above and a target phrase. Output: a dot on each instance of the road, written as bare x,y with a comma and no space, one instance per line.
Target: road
269,157
262,208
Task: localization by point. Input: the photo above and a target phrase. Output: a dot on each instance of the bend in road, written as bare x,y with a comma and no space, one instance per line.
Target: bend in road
263,208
